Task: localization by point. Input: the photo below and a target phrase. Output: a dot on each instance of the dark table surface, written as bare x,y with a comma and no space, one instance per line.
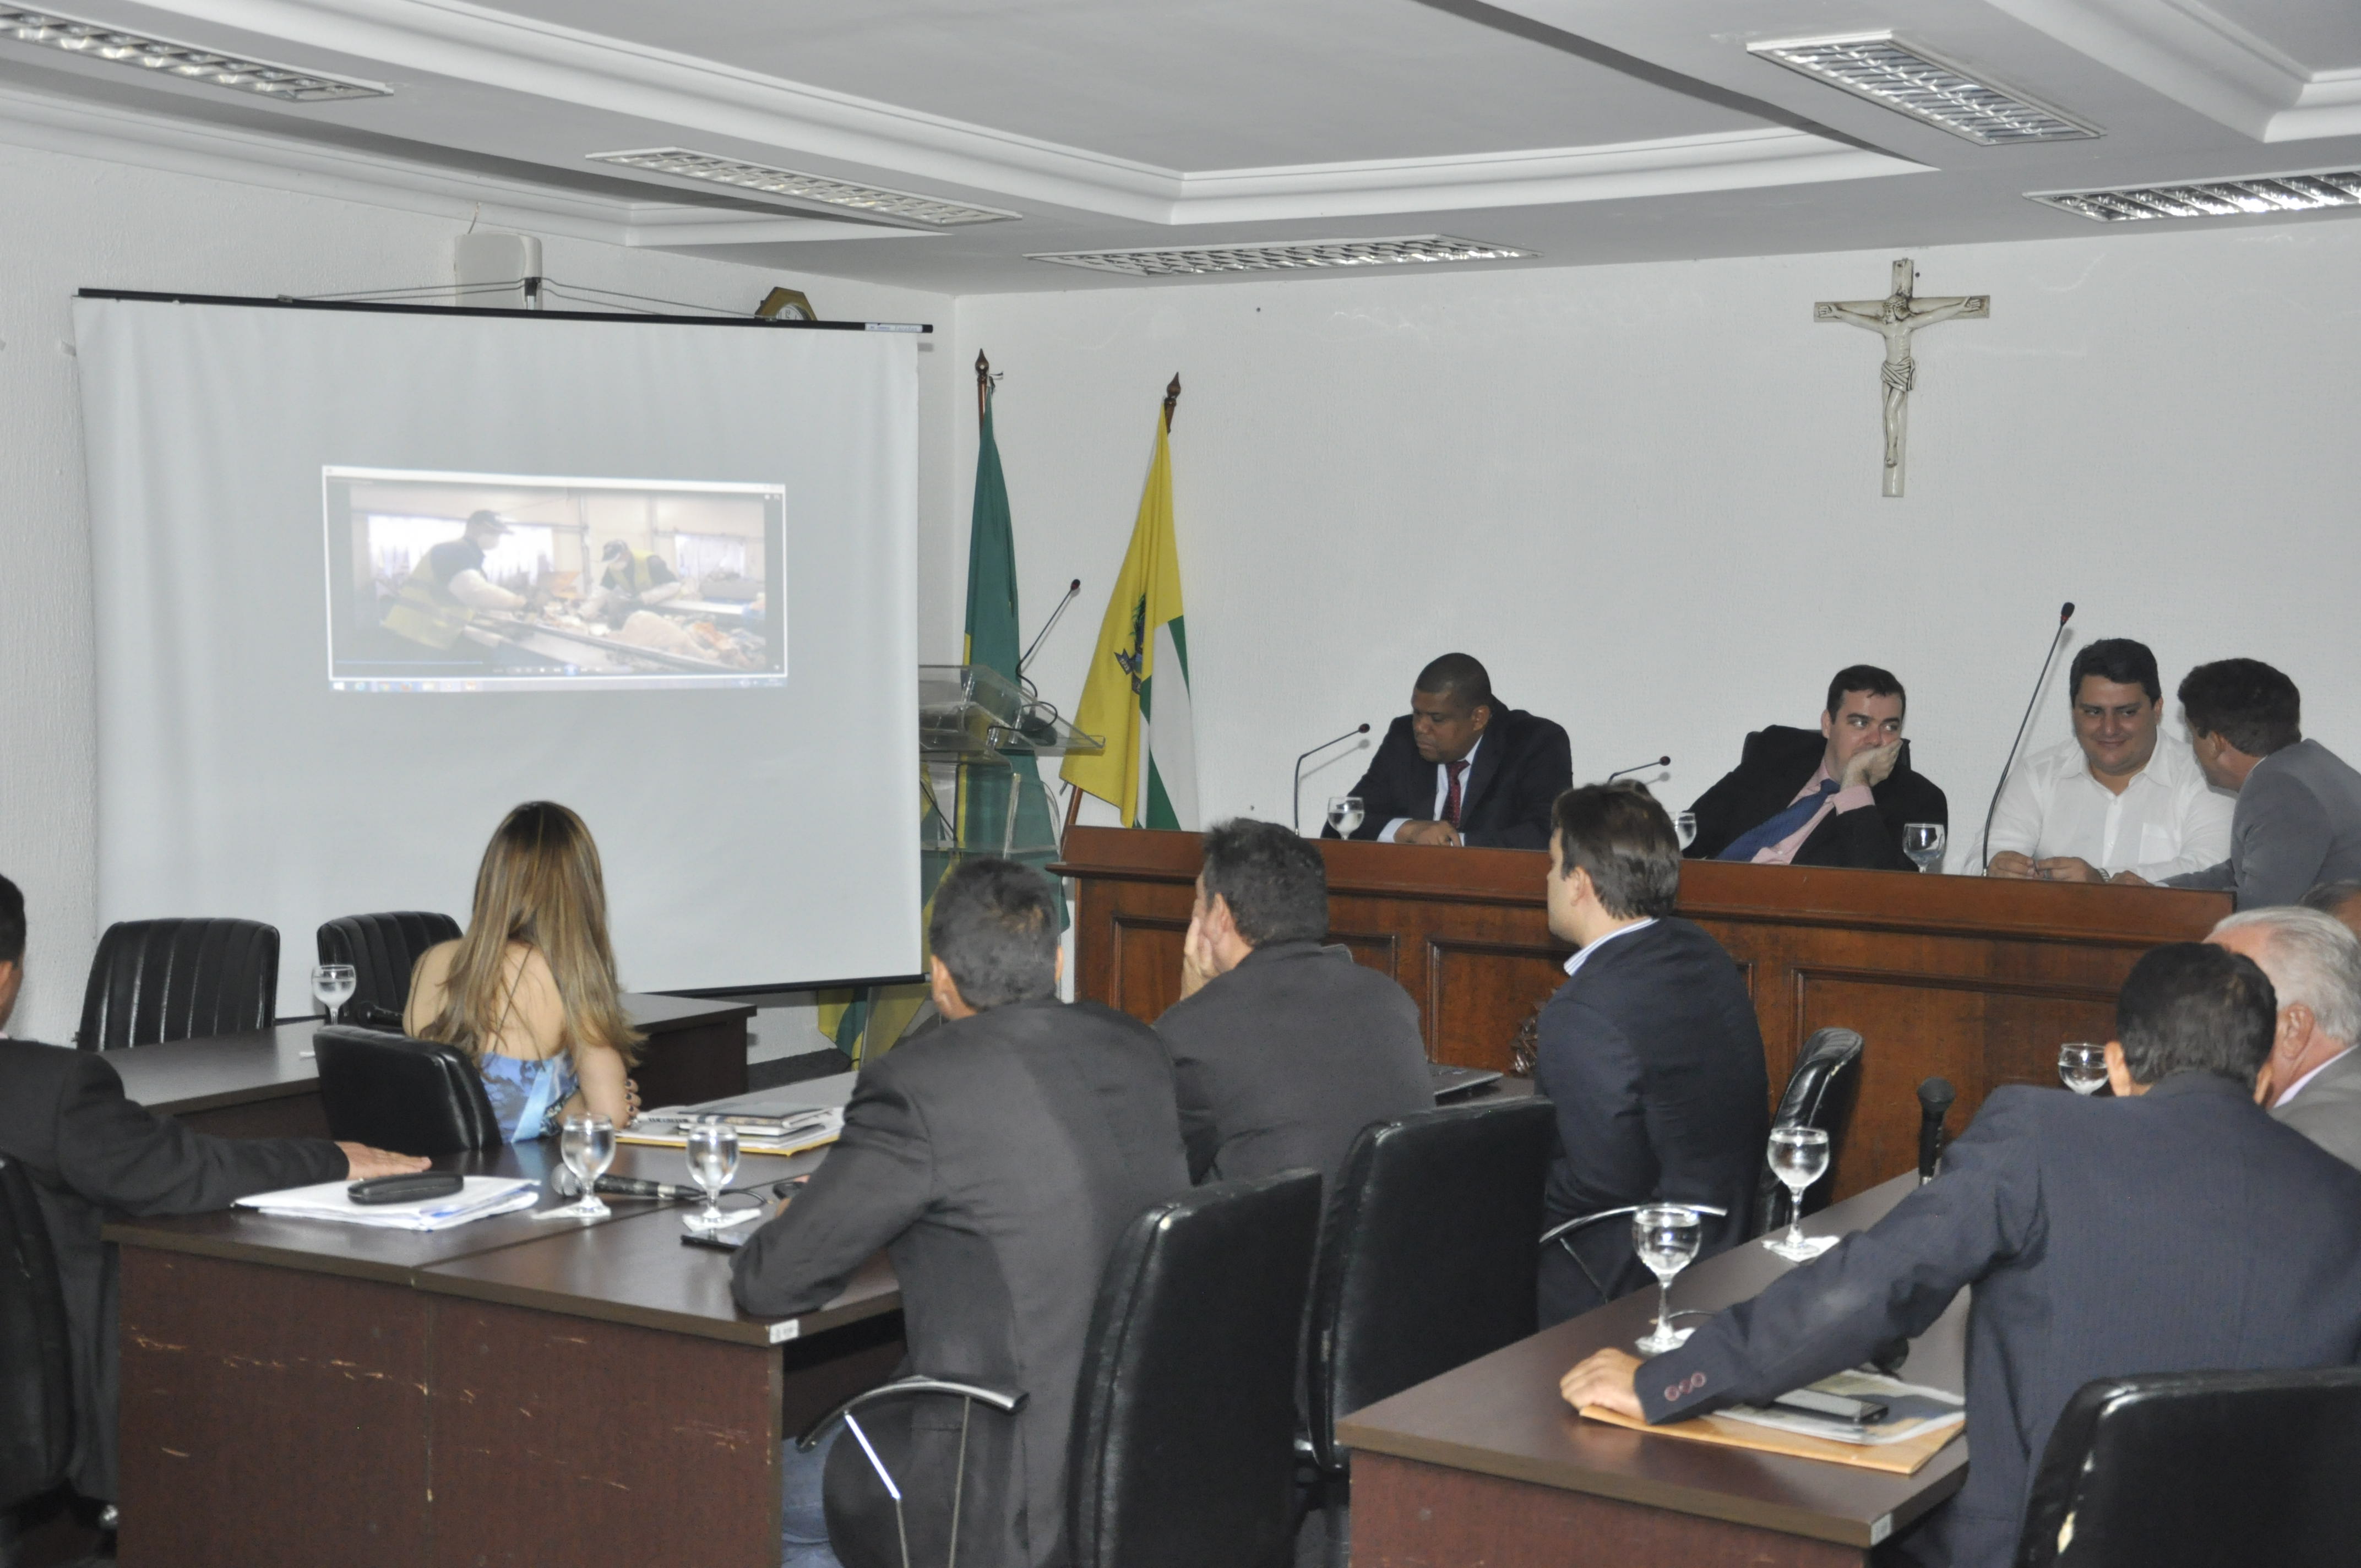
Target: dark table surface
1503,1415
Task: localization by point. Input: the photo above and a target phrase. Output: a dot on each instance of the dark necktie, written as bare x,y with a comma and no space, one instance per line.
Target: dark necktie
1451,796
1746,846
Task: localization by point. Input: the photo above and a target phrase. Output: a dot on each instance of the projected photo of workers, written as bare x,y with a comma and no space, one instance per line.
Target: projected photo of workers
472,582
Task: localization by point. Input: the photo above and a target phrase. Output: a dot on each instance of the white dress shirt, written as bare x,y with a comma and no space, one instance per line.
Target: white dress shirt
1443,794
2167,820
1581,954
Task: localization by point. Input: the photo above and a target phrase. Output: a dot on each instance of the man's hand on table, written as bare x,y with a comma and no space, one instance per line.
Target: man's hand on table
2067,868
1607,1379
2010,864
363,1162
1425,832
2128,879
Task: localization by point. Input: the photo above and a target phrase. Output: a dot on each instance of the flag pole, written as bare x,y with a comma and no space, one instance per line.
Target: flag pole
983,380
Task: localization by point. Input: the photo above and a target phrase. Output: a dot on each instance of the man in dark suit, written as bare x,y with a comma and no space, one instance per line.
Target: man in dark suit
1282,1050
1837,798
90,1152
1460,769
1650,1050
996,1159
2175,1227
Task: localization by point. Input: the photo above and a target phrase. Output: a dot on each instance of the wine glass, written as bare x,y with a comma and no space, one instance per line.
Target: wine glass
588,1143
1666,1235
332,987
1345,813
1685,828
1799,1157
2083,1067
712,1161
1922,842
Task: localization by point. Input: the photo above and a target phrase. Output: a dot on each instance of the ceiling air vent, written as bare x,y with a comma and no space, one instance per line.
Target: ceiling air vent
1311,255
1907,79
818,188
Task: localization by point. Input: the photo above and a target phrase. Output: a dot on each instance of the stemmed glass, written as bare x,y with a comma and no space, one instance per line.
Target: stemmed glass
1799,1155
1666,1235
588,1143
1685,828
1345,813
332,987
2083,1067
712,1161
1922,842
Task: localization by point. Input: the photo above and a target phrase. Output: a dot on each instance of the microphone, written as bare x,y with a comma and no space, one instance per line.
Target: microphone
1027,657
640,1187
1642,768
2065,614
1935,1097
1298,798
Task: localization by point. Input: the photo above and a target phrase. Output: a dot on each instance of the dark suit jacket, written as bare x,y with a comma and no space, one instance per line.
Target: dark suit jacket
1282,1061
2180,1230
91,1153
1774,768
995,1160
1524,763
1652,1057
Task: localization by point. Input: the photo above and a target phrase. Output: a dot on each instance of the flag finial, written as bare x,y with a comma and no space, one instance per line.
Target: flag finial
1171,400
984,381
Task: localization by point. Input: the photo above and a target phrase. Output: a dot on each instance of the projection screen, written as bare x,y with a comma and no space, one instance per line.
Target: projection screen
367,578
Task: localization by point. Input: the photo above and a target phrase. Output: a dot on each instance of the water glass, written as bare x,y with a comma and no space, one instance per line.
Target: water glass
1685,828
1345,813
1922,842
2083,1067
586,1142
332,987
1666,1235
712,1161
1799,1157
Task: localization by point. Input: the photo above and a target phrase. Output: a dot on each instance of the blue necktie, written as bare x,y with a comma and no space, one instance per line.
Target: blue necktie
1746,846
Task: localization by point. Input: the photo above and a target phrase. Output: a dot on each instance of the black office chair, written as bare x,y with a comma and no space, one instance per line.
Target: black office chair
175,980
1426,1262
37,1424
1182,1453
1821,1093
2200,1470
382,949
409,1096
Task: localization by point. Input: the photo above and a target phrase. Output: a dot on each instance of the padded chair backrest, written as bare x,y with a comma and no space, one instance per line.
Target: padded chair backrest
1182,1453
1427,1258
2174,1470
37,1431
177,980
409,1096
383,949
1821,1093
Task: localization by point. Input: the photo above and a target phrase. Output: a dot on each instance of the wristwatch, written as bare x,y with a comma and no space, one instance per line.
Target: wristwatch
2106,875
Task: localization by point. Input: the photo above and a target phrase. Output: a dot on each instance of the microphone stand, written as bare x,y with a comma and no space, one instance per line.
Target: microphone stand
1295,801
2065,614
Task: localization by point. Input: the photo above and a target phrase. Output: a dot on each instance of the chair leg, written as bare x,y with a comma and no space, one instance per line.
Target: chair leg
1336,1511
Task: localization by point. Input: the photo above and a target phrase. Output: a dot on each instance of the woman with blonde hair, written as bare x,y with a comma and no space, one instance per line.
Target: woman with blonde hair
529,991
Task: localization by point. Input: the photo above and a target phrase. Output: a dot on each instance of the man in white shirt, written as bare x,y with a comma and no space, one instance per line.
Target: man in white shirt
2110,800
2314,964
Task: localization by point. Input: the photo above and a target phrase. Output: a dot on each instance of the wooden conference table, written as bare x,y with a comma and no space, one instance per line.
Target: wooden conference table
514,1391
1486,1464
1978,980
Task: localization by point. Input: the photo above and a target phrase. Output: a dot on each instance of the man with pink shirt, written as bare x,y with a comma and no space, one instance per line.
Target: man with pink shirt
1837,798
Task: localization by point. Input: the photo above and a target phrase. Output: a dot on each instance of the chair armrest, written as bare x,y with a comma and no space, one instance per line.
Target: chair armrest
903,1387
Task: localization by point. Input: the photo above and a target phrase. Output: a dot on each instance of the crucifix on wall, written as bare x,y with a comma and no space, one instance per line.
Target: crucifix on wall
1894,318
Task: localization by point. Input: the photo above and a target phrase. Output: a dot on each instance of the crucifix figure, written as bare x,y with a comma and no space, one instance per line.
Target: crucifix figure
1894,318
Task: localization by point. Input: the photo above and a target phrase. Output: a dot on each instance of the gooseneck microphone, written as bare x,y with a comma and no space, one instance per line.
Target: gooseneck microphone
2065,614
1298,796
1935,1097
1641,768
1027,657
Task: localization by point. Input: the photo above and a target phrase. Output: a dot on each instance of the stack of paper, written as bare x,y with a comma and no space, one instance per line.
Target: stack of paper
787,1132
482,1196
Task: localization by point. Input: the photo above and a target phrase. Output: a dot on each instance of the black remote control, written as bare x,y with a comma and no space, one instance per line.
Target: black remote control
405,1189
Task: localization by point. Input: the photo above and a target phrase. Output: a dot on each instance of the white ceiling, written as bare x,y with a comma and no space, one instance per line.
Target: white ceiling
1586,131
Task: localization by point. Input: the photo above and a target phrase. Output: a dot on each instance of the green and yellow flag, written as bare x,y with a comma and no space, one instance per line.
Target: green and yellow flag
994,640
1136,693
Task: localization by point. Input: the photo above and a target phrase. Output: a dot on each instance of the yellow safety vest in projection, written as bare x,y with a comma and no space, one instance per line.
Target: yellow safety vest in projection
639,579
425,611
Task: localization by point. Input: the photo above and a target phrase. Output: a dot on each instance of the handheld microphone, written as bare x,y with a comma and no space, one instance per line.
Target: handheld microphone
2065,614
1642,768
1027,657
1935,1097
1298,797
640,1187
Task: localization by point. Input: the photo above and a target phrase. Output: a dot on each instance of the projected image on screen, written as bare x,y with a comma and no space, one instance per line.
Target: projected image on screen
482,582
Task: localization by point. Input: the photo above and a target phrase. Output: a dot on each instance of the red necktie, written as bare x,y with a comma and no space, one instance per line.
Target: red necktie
1451,798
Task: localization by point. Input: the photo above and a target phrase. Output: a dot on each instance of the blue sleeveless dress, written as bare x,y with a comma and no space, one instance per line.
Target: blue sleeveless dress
537,1090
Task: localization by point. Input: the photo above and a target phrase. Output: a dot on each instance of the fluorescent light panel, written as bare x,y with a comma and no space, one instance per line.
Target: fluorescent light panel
2211,198
102,40
1197,260
818,188
1909,80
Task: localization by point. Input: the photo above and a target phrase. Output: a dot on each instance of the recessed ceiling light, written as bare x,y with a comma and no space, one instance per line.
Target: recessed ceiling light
104,40
1196,261
1907,79
805,186
2211,198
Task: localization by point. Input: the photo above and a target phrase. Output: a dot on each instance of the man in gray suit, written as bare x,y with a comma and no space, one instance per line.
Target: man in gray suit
2315,963
1282,1051
2299,816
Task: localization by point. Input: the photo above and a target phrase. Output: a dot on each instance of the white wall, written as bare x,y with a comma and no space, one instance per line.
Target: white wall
1648,495
69,223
